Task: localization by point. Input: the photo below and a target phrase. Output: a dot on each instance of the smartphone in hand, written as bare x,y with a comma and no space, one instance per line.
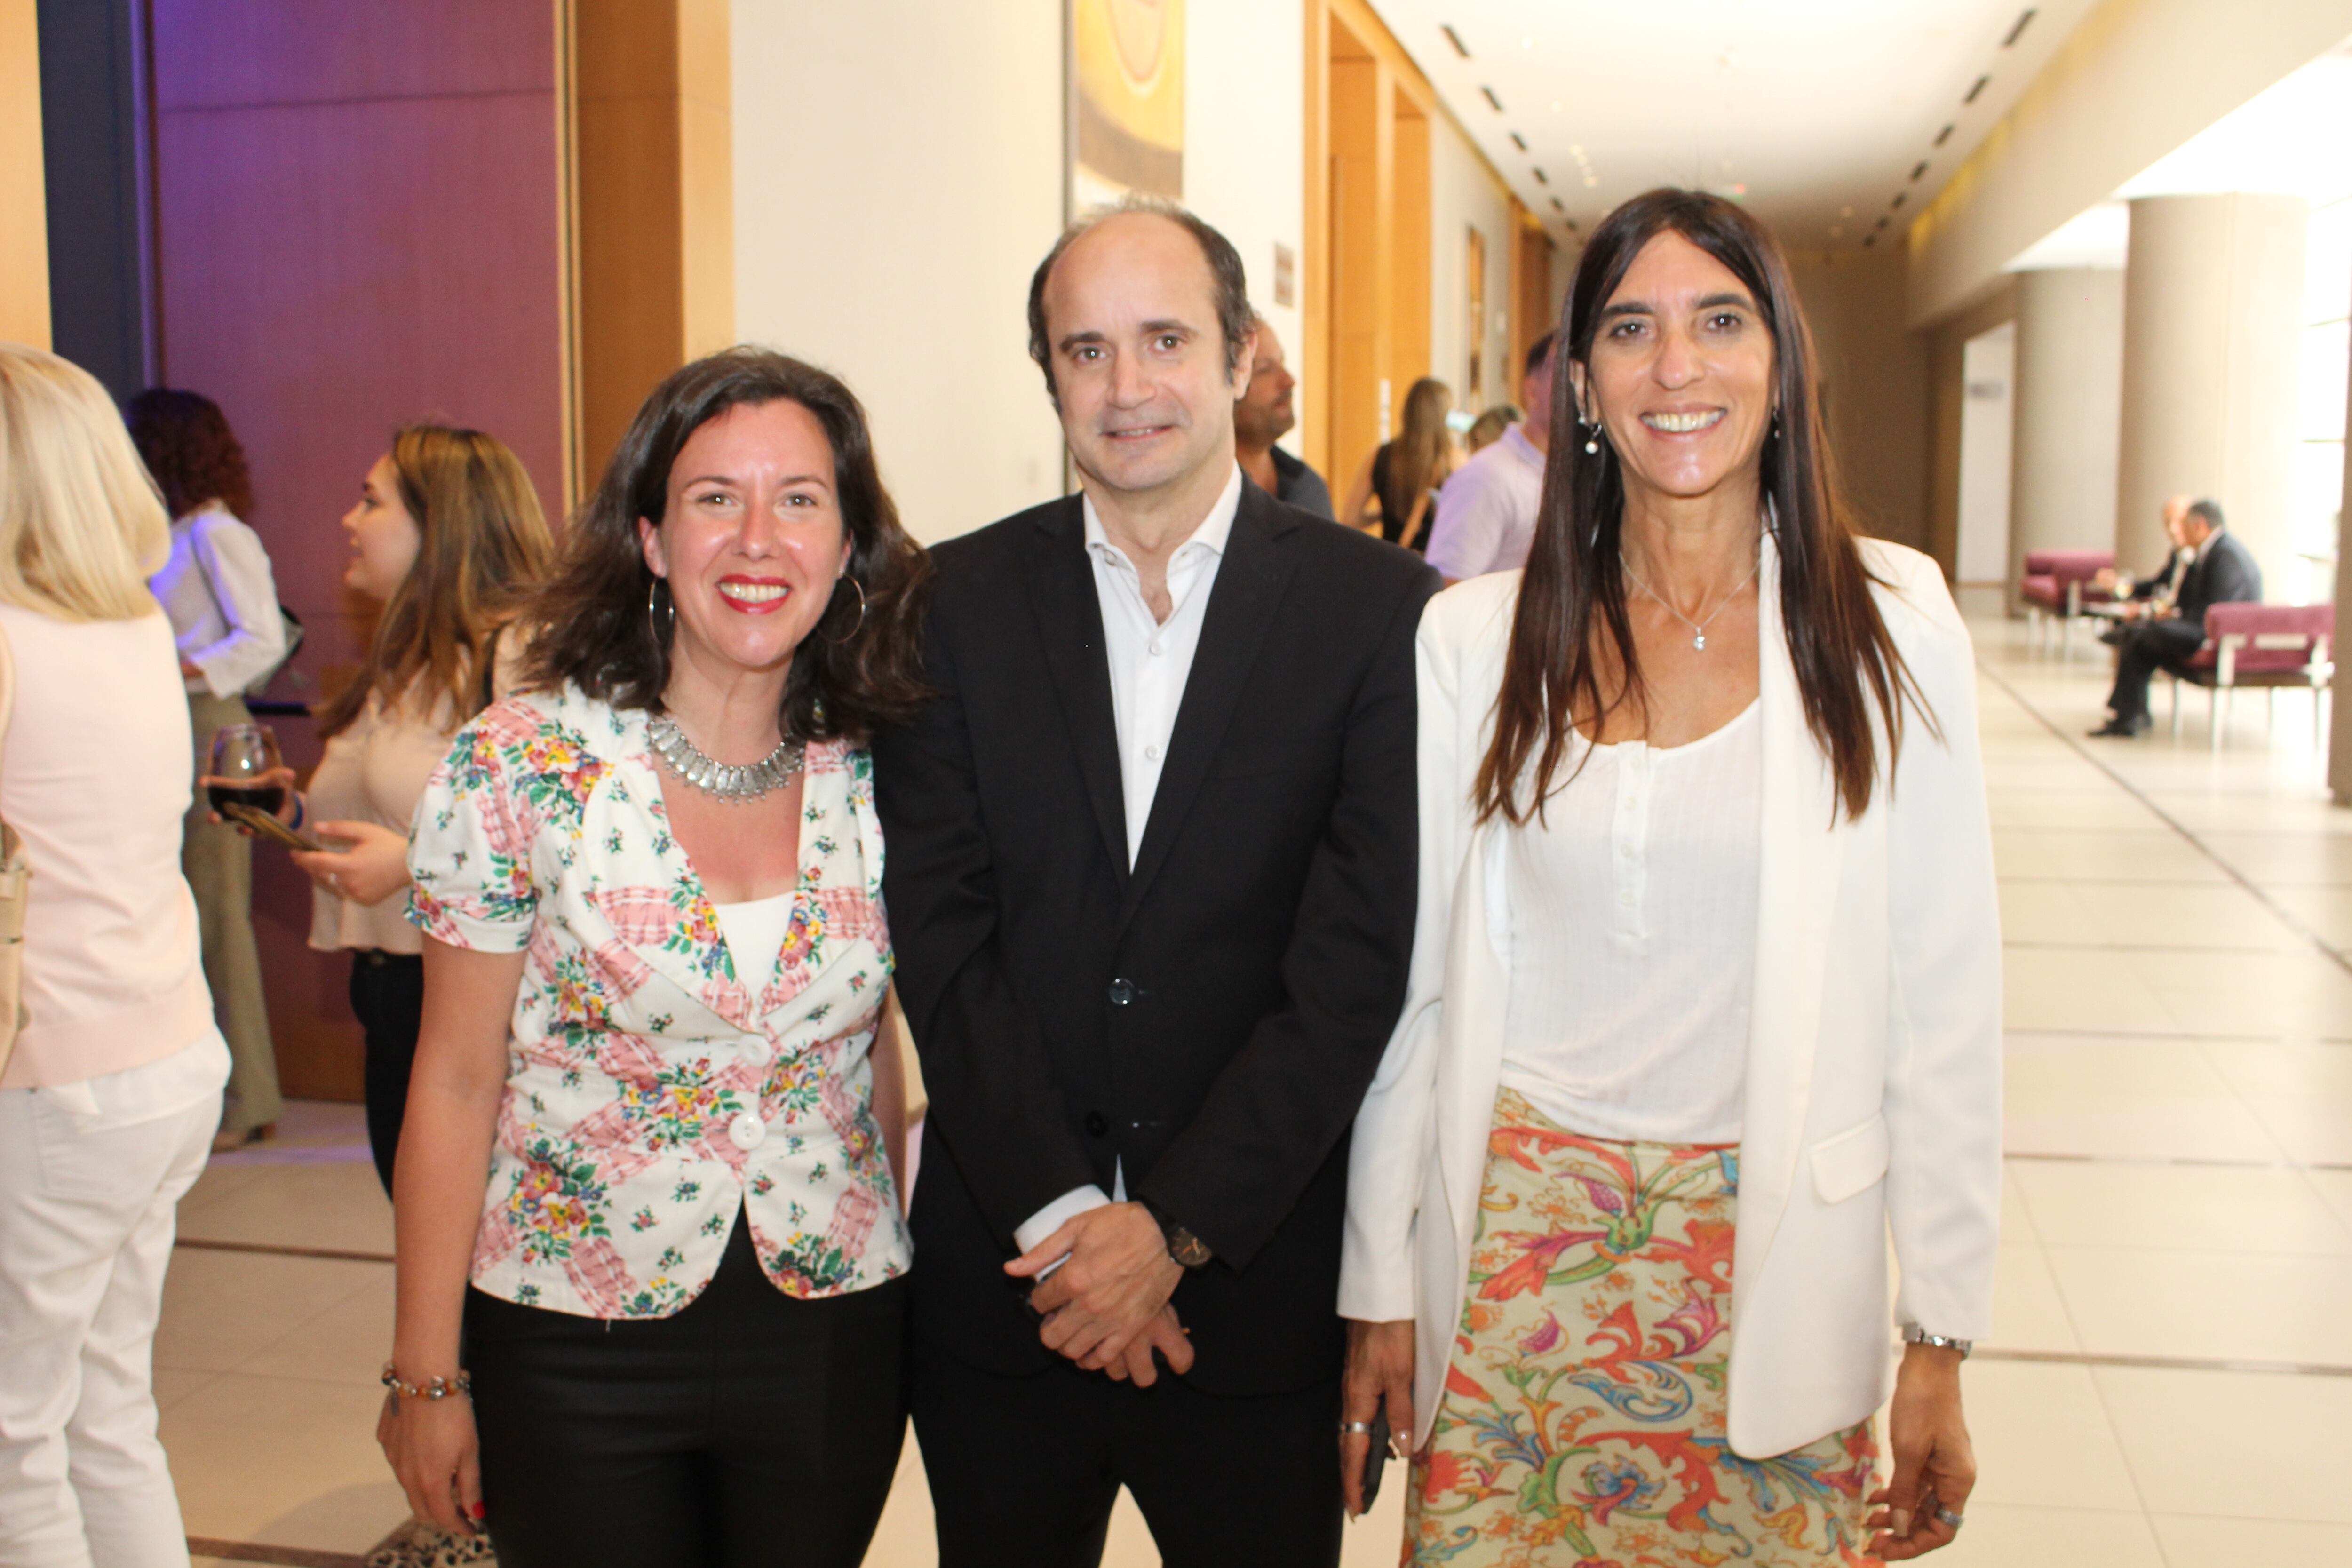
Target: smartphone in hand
266,826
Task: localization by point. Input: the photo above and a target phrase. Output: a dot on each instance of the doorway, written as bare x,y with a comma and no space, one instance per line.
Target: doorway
1988,372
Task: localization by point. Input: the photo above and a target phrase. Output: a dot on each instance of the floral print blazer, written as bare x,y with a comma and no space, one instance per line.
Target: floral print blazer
654,1086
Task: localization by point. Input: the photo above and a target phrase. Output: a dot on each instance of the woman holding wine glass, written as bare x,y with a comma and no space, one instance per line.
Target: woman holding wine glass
111,1074
449,537
222,598
645,1179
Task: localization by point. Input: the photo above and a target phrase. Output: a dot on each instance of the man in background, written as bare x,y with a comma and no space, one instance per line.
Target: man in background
1486,513
1264,415
2150,595
2222,572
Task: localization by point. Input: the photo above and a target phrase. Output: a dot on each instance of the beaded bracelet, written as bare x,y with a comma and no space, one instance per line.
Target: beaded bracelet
435,1388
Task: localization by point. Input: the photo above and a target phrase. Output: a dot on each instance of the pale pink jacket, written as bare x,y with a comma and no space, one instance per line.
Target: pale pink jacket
96,774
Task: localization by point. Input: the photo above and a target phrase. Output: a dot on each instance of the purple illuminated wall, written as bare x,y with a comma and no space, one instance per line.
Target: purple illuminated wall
358,225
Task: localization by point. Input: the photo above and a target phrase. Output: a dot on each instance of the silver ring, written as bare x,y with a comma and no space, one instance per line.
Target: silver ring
1945,1515
1348,1428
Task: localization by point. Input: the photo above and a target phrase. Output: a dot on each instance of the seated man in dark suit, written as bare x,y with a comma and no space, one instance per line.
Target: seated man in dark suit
2223,572
2152,595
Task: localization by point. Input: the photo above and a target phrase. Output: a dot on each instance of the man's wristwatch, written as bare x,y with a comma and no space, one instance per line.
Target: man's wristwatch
1185,1248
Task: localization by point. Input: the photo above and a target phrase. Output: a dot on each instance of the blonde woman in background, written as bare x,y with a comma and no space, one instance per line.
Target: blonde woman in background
1405,474
222,599
449,537
108,1102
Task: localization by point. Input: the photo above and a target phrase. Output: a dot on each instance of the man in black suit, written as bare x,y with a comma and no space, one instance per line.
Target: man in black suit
1151,875
2222,572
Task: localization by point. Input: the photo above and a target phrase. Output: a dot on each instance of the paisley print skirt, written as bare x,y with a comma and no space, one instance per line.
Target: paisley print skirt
1582,1422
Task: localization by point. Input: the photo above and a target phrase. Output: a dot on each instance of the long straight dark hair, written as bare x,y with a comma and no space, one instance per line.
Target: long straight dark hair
1574,587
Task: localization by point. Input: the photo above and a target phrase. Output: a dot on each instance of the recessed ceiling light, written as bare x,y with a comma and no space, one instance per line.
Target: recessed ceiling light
2023,19
1919,169
1868,240
1898,199
1455,38
1541,178
1945,134
1982,82
1518,140
1492,99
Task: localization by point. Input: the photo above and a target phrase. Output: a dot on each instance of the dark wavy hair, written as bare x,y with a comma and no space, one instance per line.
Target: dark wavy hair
482,545
185,442
851,674
1574,590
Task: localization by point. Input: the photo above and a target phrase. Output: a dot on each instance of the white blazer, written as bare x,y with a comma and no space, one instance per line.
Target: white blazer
1873,1056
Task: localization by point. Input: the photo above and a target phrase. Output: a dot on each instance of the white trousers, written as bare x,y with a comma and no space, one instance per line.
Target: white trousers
85,1229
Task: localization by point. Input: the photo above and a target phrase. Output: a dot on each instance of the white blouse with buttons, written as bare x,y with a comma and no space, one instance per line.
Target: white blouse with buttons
1631,933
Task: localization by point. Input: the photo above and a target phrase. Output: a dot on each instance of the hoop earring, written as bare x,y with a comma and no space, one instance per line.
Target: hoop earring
653,618
860,627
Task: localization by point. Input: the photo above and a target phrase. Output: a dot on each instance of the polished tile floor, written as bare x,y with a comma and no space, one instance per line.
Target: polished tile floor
2170,1381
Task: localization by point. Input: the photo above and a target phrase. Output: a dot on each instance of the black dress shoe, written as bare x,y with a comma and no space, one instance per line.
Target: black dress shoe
2124,729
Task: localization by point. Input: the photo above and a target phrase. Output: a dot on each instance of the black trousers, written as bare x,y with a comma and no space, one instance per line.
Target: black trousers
2145,650
750,1430
388,998
1025,1470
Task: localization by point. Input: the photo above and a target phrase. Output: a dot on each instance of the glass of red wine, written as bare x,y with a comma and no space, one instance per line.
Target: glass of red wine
243,756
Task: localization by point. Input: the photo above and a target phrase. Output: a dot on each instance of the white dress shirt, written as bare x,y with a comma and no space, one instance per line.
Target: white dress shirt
1151,660
222,600
1486,513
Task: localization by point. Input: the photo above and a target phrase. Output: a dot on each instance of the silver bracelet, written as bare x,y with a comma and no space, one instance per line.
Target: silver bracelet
1913,1334
432,1388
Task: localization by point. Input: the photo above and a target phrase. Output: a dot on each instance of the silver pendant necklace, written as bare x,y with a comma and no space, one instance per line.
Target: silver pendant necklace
727,781
1698,628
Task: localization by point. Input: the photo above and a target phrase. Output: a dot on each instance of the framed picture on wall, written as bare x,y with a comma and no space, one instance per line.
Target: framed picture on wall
1125,61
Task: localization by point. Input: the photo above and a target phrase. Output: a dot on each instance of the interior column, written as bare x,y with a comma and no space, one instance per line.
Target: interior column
2212,309
2067,409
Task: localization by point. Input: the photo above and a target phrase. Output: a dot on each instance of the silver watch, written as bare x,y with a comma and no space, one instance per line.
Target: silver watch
1913,1334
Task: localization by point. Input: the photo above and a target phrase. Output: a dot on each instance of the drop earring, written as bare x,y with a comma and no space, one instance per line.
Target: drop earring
1592,438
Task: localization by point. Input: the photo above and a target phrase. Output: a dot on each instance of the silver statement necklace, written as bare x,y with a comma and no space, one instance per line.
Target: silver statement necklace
727,781
1698,628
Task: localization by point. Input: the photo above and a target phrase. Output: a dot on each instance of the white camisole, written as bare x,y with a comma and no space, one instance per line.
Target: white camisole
1631,939
755,935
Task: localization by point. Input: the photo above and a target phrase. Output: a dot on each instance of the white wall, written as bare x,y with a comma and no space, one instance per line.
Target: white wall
898,174
2137,79
1463,194
1988,368
1246,146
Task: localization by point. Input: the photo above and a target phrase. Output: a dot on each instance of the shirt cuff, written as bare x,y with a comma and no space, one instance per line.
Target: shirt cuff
1058,1212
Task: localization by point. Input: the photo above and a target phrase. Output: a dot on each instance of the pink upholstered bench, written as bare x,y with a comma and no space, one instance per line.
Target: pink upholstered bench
2057,585
2265,646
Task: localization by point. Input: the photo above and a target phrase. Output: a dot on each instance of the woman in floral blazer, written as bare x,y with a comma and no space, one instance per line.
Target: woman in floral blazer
643,1176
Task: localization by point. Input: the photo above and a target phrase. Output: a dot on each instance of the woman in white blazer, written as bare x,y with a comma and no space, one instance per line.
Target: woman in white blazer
1705,992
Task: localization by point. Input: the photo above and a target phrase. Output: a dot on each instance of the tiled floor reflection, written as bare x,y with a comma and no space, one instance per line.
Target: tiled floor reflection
2171,1370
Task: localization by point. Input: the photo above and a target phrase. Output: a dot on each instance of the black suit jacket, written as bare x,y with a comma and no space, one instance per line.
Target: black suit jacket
2226,575
1211,1018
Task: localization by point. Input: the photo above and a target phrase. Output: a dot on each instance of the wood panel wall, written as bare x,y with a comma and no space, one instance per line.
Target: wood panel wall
654,172
1368,267
360,224
24,221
